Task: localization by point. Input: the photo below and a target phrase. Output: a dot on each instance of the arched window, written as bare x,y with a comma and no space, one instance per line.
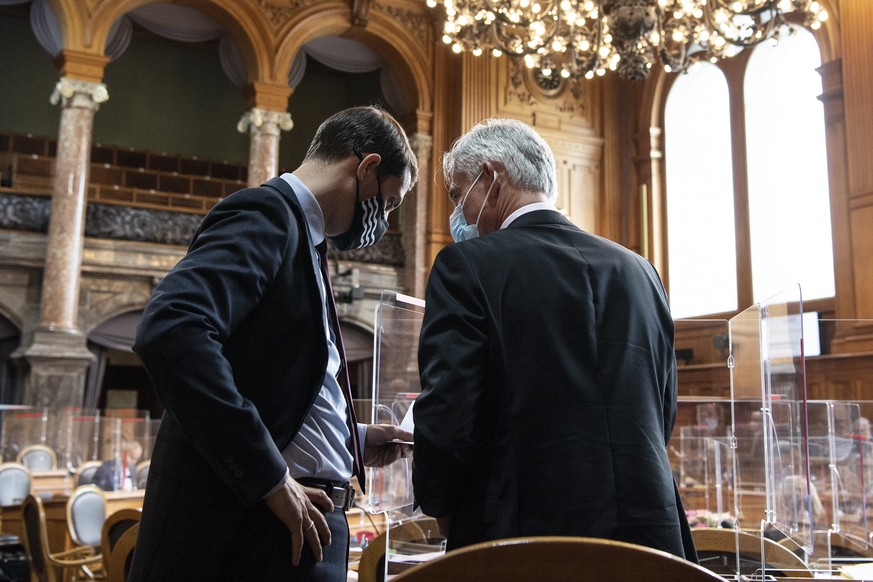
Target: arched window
700,202
789,208
748,210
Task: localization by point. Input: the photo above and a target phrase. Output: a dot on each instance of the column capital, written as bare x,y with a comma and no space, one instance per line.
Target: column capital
257,119
79,93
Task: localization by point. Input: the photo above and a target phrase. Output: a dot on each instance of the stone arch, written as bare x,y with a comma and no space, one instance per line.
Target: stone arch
394,42
11,316
828,36
249,28
123,320
71,22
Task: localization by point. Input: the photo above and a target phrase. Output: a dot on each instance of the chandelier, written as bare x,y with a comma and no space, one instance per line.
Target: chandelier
574,39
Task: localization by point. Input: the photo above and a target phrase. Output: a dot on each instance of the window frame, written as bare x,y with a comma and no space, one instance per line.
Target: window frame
734,71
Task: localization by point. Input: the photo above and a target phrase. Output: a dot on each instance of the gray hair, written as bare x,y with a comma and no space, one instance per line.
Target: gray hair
528,160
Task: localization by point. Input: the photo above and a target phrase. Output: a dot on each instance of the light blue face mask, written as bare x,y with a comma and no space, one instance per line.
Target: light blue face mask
458,226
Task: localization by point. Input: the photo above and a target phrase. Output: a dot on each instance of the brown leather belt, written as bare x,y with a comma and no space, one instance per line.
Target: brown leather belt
342,494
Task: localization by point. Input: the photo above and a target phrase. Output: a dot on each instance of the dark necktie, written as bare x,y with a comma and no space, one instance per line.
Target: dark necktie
343,376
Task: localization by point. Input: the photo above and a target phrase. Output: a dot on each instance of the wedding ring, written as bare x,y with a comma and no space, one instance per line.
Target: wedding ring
309,527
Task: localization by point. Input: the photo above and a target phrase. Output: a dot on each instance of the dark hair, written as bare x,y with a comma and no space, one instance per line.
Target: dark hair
365,130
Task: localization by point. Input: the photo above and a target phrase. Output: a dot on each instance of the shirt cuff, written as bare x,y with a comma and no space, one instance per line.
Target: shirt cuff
279,486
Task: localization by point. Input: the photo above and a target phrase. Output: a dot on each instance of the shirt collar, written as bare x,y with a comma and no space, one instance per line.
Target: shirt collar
311,209
525,209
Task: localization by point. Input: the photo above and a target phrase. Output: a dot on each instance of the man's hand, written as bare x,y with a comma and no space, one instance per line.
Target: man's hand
295,505
379,450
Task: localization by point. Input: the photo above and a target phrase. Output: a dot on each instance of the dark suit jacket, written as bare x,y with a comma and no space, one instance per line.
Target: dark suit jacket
233,341
548,390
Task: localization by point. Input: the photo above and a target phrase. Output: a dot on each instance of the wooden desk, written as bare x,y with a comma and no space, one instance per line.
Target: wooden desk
56,481
56,516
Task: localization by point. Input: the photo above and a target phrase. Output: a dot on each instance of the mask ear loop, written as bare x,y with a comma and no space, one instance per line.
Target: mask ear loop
487,194
470,189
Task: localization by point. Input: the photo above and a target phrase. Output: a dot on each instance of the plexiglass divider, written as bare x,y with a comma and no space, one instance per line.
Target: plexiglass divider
744,459
68,447
410,537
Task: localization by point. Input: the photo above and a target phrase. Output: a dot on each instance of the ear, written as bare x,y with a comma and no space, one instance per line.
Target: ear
493,171
368,164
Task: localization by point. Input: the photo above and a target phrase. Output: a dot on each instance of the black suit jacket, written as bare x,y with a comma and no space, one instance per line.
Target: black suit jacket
233,341
548,390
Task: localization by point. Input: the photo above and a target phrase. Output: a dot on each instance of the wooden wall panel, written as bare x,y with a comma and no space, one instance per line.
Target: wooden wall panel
856,21
861,225
578,187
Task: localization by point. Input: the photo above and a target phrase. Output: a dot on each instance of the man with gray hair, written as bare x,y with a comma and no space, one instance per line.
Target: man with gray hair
547,368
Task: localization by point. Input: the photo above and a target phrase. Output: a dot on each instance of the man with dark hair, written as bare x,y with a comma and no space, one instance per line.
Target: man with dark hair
249,477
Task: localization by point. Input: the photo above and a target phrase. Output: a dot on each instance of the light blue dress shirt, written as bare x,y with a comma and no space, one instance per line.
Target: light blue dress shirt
321,447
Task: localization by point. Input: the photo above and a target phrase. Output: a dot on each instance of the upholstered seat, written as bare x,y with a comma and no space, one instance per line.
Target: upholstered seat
15,482
38,458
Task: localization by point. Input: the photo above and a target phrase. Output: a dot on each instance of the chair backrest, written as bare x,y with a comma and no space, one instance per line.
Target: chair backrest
119,560
36,539
142,473
114,527
741,547
557,559
372,563
85,472
38,458
15,481
86,512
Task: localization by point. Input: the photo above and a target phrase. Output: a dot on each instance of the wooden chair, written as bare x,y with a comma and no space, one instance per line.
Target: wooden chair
114,527
557,559
15,483
119,560
46,565
85,472
841,545
38,458
86,512
371,567
728,552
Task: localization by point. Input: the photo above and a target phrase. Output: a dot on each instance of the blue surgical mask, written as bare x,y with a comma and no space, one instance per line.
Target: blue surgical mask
458,226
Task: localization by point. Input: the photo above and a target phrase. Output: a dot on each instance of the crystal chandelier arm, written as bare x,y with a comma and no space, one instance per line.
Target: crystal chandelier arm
585,37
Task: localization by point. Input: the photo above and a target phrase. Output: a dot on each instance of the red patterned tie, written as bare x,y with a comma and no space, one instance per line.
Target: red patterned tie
343,376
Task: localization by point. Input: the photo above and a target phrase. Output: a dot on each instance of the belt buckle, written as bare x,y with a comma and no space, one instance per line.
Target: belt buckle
349,501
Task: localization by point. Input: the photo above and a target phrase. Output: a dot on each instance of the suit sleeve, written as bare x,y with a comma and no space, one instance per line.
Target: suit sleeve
453,351
233,259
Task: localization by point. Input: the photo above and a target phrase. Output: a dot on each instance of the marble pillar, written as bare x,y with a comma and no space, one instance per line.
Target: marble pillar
415,218
57,358
264,127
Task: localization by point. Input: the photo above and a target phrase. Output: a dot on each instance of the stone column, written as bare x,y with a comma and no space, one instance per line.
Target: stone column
415,218
264,126
58,356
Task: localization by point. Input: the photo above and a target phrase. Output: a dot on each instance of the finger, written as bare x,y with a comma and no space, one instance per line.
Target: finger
323,529
403,435
311,533
319,498
297,543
